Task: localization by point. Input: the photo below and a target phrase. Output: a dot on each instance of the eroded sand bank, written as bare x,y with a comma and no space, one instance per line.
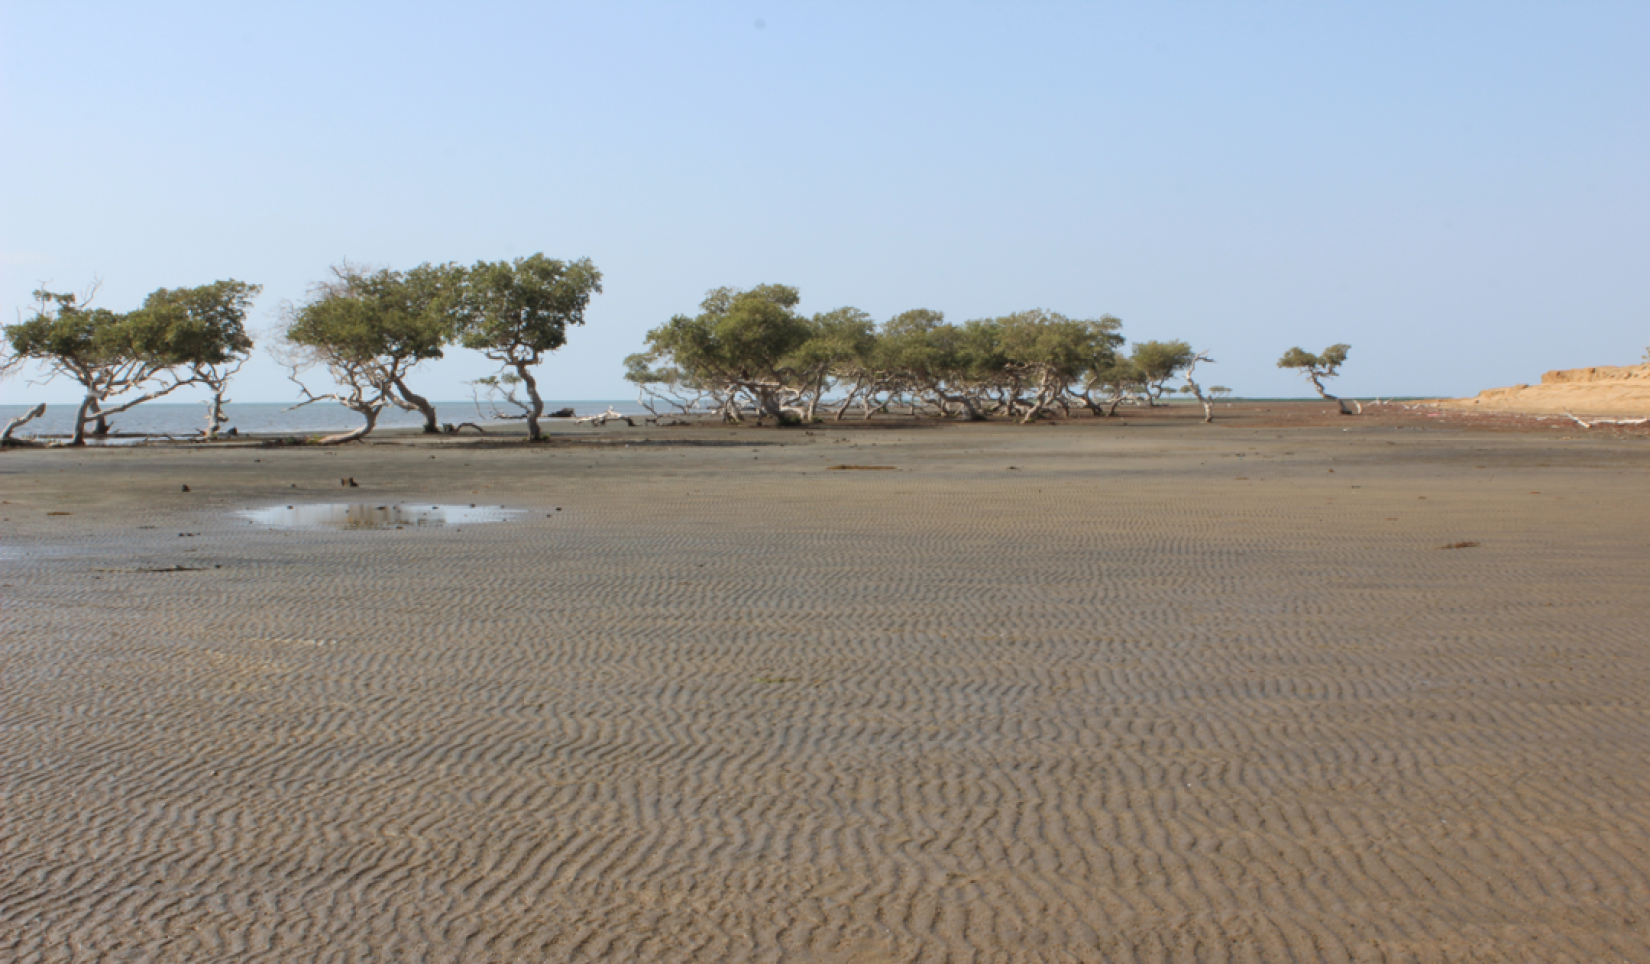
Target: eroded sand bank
1604,390
1164,692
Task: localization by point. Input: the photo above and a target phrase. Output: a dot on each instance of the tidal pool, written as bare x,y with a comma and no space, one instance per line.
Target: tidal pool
364,515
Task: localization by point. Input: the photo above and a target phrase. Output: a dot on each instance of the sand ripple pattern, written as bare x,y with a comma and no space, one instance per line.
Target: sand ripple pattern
1116,705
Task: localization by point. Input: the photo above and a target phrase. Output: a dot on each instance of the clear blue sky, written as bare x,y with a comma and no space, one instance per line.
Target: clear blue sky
1459,190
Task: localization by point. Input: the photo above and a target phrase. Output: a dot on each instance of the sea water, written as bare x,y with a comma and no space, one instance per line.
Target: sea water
181,420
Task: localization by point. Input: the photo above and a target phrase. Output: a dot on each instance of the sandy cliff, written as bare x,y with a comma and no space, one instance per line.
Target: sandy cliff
1603,390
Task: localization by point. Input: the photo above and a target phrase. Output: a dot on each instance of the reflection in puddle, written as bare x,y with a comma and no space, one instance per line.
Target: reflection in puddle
359,515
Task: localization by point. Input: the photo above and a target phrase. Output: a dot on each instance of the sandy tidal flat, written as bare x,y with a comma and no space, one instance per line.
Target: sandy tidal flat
1167,692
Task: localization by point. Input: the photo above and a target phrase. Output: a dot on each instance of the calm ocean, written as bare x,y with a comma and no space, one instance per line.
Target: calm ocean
271,418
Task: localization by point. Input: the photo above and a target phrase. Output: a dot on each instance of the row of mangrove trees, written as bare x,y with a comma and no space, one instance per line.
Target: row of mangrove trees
358,337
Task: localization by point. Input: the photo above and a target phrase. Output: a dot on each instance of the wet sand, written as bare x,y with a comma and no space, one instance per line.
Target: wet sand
1162,692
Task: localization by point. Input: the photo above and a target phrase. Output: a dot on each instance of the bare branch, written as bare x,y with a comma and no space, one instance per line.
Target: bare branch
20,421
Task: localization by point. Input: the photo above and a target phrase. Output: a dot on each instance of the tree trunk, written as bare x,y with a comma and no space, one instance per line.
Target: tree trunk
1208,409
87,405
536,406
1046,392
431,425
371,415
768,404
813,400
1347,407
102,426
843,409
24,419
214,414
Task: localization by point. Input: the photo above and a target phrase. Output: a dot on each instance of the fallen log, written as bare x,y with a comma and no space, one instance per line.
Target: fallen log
602,418
1608,421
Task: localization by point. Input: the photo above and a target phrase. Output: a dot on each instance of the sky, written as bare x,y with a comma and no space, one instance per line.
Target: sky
1461,191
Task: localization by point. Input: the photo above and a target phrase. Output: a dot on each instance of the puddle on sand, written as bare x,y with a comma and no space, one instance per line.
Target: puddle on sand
362,515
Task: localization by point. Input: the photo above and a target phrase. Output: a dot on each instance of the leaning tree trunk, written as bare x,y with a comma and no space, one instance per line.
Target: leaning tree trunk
1347,406
82,415
431,425
813,400
370,413
1208,407
214,414
21,420
100,425
535,407
843,408
1046,392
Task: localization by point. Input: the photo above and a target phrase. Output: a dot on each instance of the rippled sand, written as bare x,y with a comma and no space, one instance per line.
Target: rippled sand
1082,693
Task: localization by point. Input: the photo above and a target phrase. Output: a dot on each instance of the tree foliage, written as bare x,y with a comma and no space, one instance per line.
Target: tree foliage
1157,362
753,351
746,343
371,328
209,326
517,312
1316,368
177,337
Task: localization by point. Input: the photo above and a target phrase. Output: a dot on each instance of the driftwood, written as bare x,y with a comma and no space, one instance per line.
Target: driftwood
21,420
1608,421
602,419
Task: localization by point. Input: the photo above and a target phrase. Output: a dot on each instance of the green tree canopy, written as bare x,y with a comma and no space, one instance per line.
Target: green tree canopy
755,345
1159,361
838,345
204,327
745,342
177,337
1316,368
378,325
516,312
